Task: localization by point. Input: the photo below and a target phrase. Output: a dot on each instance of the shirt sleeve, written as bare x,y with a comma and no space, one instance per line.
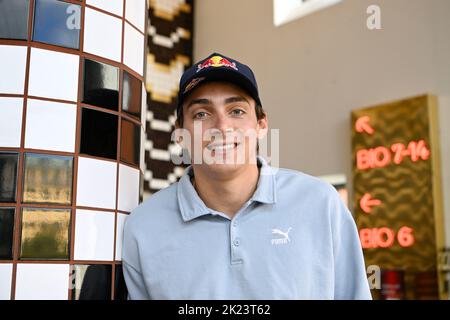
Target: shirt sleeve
350,275
130,261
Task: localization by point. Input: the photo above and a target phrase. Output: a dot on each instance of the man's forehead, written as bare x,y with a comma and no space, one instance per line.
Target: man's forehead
218,90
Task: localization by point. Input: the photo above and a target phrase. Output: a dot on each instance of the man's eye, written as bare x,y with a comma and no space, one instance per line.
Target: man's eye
238,112
200,115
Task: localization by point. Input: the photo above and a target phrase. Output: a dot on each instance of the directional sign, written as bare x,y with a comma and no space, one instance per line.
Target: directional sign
362,124
396,186
367,202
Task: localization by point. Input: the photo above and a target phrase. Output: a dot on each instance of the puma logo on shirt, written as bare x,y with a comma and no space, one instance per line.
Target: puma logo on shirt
283,240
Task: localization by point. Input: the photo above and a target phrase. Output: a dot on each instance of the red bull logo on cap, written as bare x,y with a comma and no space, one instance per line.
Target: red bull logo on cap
216,61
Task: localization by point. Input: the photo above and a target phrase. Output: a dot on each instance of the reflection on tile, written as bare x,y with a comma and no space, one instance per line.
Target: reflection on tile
133,55
144,106
121,218
91,282
53,75
131,95
102,35
128,188
14,19
6,233
113,6
8,176
38,281
47,179
50,125
120,288
57,22
101,85
96,186
94,235
99,134
12,66
130,144
10,122
143,166
5,280
45,234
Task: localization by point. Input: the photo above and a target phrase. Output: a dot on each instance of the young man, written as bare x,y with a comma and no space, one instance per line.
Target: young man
234,227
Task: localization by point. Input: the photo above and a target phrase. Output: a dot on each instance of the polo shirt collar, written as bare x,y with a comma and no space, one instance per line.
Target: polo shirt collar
191,206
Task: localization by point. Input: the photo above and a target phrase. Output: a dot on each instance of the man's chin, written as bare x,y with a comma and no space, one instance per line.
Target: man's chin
223,165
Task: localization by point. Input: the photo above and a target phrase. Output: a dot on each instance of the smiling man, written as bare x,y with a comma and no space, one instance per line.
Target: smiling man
234,227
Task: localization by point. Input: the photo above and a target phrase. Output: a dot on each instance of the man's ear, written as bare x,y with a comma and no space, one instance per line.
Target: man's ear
263,126
179,138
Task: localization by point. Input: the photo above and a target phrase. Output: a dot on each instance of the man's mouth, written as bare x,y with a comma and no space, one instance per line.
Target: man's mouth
221,147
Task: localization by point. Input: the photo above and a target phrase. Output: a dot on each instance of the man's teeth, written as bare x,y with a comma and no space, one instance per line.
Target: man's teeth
223,146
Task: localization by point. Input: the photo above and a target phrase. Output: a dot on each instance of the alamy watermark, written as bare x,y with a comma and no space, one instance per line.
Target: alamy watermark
374,276
73,22
232,146
373,21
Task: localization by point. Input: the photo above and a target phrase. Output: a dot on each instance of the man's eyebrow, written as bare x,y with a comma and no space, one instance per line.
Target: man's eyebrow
236,99
198,101
205,101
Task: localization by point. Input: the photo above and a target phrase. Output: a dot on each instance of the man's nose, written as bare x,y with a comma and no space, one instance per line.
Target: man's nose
223,123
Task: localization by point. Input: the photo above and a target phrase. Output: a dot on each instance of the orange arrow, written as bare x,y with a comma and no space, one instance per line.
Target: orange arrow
362,124
367,203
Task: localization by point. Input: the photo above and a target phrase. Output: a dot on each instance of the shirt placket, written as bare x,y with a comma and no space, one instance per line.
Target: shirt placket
237,244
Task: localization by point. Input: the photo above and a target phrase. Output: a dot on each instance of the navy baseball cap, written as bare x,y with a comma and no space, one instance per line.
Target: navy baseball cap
217,67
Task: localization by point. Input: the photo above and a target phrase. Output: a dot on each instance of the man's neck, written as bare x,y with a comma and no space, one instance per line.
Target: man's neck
227,193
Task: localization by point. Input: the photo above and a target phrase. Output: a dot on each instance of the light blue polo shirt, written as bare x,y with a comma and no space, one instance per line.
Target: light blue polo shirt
294,239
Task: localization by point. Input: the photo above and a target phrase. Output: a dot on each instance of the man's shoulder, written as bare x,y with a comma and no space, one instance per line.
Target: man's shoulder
289,178
301,189
158,206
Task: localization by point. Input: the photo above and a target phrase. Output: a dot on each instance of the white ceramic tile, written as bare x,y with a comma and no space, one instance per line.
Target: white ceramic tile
53,75
135,11
113,6
36,281
121,218
133,55
10,122
128,188
13,60
96,186
50,125
102,35
5,281
94,235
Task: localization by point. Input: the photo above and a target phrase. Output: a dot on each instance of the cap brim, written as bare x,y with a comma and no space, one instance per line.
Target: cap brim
222,75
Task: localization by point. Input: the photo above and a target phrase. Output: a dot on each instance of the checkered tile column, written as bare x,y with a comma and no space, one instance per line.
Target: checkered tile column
169,53
72,122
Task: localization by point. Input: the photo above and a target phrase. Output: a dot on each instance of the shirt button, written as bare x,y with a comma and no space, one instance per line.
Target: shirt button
234,223
236,242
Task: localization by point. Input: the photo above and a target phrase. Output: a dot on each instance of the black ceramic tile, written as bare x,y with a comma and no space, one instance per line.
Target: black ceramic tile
6,233
101,85
91,282
131,95
130,142
99,134
8,176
